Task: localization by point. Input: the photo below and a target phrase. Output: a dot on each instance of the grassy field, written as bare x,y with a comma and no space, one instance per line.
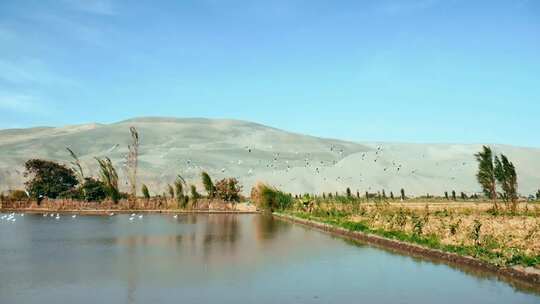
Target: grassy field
475,229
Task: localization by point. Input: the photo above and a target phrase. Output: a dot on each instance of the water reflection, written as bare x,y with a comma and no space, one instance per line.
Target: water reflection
267,227
218,258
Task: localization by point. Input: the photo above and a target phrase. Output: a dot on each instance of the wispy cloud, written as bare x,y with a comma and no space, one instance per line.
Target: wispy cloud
98,7
74,29
19,103
31,72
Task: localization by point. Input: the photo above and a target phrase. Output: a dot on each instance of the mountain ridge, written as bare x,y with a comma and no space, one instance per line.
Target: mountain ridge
253,152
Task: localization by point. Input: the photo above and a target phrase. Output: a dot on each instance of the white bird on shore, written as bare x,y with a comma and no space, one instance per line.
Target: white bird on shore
131,218
175,216
141,216
57,216
74,216
133,214
111,214
52,214
13,219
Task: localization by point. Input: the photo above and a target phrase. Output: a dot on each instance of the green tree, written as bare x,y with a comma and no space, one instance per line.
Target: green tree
454,195
145,192
49,179
348,192
506,176
109,177
403,197
228,189
486,172
208,185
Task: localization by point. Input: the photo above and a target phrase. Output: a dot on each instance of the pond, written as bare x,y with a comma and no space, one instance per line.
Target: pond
217,258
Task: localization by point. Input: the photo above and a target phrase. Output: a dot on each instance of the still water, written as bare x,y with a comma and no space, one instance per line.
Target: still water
217,259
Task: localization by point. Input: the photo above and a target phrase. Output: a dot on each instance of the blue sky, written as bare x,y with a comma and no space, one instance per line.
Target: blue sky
409,71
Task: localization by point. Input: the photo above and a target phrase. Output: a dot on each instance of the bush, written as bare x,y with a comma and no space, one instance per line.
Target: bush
17,195
269,198
94,190
74,194
91,191
109,177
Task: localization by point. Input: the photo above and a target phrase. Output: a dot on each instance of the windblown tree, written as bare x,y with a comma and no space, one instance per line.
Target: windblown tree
76,166
145,192
208,185
486,173
49,179
109,177
506,176
132,161
194,194
170,189
180,186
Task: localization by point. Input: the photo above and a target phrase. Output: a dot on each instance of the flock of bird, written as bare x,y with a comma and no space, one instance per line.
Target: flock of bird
317,163
12,217
285,162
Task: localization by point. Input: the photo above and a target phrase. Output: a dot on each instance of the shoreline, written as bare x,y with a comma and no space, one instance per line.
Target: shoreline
522,277
123,211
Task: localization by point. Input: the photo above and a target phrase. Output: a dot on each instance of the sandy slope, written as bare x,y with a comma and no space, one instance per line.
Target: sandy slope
252,152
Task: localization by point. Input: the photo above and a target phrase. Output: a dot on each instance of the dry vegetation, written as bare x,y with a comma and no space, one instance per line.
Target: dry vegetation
153,203
500,236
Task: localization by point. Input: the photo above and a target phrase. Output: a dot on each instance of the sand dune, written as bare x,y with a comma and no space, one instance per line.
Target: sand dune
252,152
